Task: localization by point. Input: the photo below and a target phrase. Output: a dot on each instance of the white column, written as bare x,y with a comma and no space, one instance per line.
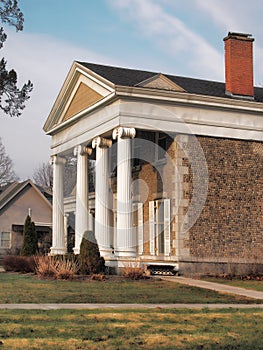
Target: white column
125,237
103,230
58,242
82,201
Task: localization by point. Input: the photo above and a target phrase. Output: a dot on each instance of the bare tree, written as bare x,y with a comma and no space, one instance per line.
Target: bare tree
43,176
70,175
7,173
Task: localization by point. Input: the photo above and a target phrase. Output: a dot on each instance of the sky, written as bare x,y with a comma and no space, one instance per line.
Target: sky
178,37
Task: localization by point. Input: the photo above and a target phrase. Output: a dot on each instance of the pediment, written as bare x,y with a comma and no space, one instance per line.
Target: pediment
83,98
159,81
81,91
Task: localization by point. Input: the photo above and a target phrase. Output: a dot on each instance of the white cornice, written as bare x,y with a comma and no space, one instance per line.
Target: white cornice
189,98
174,97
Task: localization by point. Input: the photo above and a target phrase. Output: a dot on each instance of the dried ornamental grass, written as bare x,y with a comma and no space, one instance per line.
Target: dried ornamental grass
134,273
66,268
45,266
56,267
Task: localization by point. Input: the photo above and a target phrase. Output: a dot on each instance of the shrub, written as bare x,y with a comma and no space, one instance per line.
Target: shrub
60,267
134,273
90,261
16,263
29,246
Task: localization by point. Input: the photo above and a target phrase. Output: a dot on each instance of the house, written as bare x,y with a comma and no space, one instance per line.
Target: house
17,200
179,164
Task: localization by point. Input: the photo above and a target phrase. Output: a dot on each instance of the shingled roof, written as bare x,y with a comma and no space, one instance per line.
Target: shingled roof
11,190
132,77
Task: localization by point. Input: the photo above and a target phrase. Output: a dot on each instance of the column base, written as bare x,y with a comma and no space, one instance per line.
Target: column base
76,251
106,253
58,251
125,253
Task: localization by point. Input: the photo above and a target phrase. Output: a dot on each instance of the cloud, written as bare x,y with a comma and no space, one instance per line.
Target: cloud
46,62
233,15
238,16
172,36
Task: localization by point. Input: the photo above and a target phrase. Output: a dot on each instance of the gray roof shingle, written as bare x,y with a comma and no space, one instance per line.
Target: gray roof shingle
132,77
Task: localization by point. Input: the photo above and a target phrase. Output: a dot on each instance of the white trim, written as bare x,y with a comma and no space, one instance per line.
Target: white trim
166,117
138,226
151,228
189,99
167,228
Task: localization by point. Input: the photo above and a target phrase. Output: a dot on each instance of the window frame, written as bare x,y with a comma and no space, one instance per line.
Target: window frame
2,245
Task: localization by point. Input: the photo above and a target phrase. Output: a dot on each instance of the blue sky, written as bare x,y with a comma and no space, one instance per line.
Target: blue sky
180,37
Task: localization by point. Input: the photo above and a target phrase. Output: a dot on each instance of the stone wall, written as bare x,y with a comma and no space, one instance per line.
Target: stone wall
230,227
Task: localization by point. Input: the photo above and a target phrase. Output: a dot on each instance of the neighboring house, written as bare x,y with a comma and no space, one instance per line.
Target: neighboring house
17,200
179,164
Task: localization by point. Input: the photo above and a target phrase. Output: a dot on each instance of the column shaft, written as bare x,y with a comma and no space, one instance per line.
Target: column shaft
125,237
58,242
103,229
82,202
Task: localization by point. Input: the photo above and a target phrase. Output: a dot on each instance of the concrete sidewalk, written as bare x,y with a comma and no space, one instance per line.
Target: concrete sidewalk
127,306
218,287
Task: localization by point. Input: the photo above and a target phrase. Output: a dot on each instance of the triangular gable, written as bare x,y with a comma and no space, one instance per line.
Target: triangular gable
16,189
159,81
83,98
81,90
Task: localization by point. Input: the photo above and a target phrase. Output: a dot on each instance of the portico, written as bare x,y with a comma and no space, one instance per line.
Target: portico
124,244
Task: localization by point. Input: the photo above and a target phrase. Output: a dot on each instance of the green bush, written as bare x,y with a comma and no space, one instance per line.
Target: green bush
90,261
29,246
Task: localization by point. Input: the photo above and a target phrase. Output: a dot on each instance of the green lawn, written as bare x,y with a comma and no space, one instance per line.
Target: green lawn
18,288
126,329
252,284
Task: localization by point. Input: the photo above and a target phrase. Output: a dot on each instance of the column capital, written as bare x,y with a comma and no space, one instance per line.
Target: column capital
123,133
57,160
82,150
101,142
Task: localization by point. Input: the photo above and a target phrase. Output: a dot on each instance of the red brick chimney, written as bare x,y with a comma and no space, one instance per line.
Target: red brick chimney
239,65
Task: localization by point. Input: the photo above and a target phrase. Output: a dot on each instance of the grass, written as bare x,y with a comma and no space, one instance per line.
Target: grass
247,284
18,288
125,329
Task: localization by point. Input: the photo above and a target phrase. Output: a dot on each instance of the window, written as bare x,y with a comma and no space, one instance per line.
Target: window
137,221
160,142
159,223
5,240
136,161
